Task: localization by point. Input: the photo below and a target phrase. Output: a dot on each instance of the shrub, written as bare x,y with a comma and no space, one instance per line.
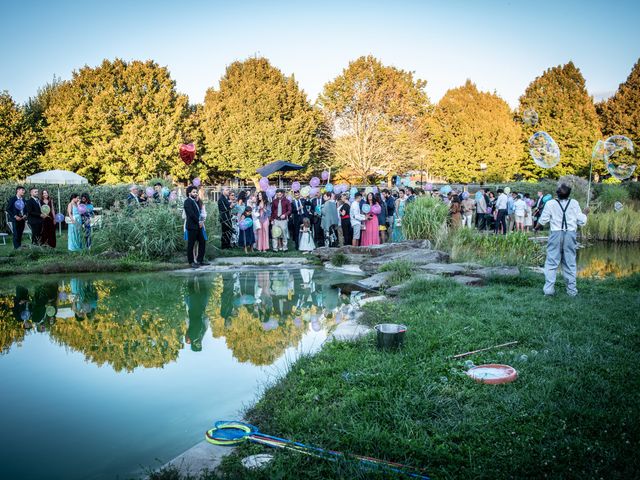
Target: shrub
153,232
425,219
622,226
610,194
512,249
339,259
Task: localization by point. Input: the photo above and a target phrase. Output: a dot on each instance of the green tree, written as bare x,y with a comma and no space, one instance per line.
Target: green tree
119,122
376,113
567,113
256,116
34,110
620,114
473,136
18,142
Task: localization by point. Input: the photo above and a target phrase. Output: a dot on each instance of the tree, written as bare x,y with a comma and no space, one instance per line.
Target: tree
620,114
118,122
34,112
470,128
567,113
376,113
256,116
18,153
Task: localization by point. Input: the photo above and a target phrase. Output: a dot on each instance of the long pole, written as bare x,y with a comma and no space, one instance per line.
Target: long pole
589,187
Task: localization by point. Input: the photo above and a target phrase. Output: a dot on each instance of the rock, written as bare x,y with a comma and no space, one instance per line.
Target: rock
349,269
374,282
326,253
349,331
446,269
413,256
377,298
497,272
465,280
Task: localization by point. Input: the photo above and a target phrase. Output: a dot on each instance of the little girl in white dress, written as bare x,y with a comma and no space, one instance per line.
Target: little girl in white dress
306,244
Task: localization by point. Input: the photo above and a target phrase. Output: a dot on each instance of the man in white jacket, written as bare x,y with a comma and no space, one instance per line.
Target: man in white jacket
356,218
565,215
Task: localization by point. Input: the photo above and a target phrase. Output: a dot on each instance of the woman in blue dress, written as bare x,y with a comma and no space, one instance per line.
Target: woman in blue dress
74,224
401,205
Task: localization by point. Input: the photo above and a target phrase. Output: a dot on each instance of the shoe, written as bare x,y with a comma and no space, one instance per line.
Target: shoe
195,265
204,263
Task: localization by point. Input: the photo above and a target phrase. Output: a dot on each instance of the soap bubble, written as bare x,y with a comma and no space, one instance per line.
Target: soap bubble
530,117
597,153
619,157
618,206
544,150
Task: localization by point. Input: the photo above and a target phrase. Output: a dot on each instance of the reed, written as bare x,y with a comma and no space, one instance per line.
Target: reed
622,226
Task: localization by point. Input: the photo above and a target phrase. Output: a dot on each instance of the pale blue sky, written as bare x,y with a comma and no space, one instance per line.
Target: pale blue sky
500,45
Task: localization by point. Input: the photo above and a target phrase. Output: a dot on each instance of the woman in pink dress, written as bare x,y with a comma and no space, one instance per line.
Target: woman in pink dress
262,233
371,234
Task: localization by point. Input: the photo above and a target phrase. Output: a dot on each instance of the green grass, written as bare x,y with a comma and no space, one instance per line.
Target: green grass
516,248
623,226
573,412
401,271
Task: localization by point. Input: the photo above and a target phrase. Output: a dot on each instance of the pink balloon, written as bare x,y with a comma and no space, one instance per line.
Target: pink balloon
264,183
314,182
295,186
325,175
428,187
149,191
196,182
376,209
82,208
314,191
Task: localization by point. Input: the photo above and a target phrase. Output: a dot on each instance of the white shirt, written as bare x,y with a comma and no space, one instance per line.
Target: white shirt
553,213
501,202
519,207
354,212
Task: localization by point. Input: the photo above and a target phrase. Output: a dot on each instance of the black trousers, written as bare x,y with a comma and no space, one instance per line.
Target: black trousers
501,221
18,229
36,232
294,229
226,233
347,231
481,221
194,236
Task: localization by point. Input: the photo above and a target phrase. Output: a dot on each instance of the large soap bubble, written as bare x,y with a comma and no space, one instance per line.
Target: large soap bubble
544,150
530,117
619,157
597,153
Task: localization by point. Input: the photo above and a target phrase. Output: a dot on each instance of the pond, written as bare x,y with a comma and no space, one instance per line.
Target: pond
105,375
604,259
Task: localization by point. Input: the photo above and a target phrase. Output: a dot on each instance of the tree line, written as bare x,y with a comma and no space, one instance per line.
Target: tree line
123,122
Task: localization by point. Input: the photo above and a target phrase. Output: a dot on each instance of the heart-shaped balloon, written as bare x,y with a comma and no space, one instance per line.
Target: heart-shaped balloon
187,153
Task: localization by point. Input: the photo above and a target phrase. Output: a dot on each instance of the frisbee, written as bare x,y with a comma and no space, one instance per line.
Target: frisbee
493,373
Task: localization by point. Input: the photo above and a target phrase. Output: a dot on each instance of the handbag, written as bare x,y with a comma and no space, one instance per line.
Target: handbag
398,222
68,220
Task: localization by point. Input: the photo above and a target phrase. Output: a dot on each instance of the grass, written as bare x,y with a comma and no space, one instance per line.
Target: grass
516,248
425,218
571,414
622,226
339,259
401,271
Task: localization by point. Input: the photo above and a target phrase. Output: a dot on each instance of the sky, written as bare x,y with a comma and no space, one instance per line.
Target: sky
500,45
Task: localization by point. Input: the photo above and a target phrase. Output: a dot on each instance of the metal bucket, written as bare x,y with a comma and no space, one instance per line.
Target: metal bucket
390,335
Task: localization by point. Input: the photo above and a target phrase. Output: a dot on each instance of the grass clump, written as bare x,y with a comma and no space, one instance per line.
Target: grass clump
572,413
401,270
339,259
425,219
622,226
513,249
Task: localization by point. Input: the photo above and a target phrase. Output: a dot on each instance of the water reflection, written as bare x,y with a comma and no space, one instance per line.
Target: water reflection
602,260
145,321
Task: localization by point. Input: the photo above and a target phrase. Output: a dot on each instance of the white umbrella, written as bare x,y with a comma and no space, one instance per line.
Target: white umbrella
57,177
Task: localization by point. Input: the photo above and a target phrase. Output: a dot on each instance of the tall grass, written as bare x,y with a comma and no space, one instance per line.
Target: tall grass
513,249
400,271
608,195
622,226
425,219
154,232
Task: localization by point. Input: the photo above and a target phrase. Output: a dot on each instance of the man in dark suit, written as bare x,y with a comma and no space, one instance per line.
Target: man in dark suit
195,226
133,199
34,216
17,216
224,215
298,213
316,219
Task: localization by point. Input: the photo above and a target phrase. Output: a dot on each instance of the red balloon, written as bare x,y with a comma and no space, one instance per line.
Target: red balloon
187,153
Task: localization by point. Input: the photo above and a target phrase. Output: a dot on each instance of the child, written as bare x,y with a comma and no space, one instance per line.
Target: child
246,238
306,244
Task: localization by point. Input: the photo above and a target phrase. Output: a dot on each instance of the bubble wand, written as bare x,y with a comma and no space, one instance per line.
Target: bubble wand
229,433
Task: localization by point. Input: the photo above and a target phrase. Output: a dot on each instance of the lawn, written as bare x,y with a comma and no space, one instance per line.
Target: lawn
572,413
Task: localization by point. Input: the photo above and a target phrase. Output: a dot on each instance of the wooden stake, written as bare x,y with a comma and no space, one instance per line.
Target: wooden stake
460,355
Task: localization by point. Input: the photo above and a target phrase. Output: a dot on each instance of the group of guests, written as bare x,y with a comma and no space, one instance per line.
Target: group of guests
39,213
253,221
501,212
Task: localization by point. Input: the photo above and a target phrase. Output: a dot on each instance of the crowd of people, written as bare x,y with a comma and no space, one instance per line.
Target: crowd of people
39,213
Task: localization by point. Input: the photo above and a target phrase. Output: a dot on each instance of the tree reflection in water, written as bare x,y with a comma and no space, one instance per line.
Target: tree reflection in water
144,321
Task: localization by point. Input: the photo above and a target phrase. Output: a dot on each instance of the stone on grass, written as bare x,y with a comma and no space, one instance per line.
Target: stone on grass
466,280
445,269
374,282
413,256
497,272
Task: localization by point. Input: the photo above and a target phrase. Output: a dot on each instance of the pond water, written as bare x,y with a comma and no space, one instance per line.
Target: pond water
105,375
603,259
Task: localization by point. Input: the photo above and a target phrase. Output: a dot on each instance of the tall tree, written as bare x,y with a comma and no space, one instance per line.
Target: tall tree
118,122
18,142
256,116
376,113
567,113
34,110
620,114
474,137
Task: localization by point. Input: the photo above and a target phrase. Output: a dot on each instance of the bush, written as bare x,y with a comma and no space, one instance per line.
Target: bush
153,233
513,249
610,194
622,226
425,219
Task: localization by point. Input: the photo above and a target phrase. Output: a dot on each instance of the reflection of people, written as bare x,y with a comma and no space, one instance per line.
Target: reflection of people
21,305
85,298
44,297
196,301
564,216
